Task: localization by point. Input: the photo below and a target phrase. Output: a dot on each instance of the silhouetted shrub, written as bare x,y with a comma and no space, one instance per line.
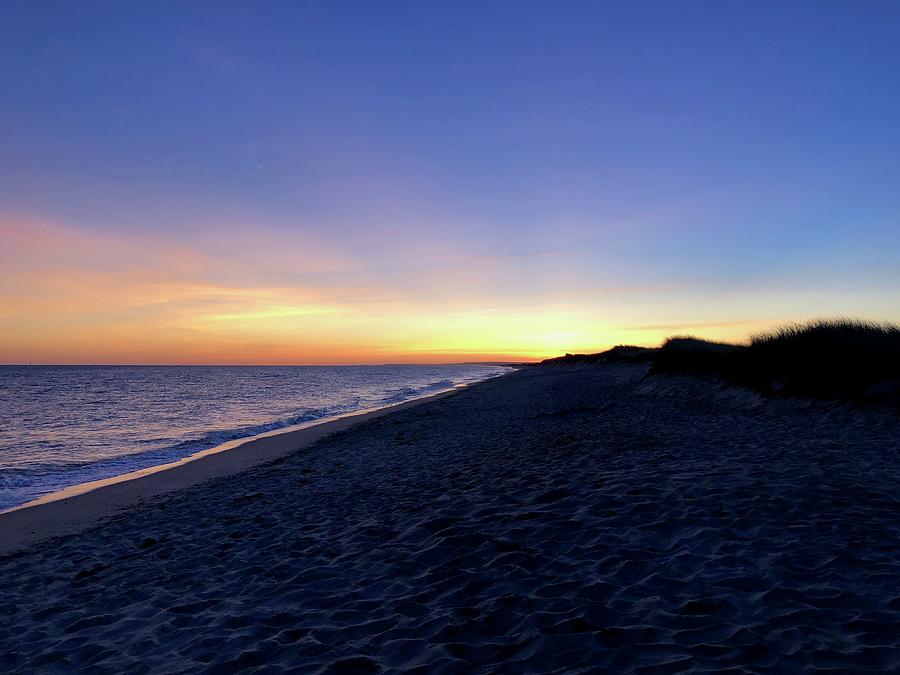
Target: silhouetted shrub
827,359
831,359
688,355
629,353
822,359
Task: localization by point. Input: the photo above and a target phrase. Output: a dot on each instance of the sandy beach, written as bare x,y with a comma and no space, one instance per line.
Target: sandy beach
80,507
557,519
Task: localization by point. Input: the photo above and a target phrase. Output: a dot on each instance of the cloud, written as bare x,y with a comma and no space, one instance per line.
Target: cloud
228,294
268,294
700,324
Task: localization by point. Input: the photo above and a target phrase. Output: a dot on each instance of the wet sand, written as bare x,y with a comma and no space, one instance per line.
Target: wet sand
558,519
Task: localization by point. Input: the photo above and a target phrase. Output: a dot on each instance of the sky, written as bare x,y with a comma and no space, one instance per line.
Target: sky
342,182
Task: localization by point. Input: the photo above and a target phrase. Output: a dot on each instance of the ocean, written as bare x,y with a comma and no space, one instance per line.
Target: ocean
65,425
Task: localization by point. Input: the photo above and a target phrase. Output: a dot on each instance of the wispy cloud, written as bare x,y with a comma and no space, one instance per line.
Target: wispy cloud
702,324
230,294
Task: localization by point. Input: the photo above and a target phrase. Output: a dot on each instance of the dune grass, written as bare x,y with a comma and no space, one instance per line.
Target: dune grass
629,353
826,359
833,358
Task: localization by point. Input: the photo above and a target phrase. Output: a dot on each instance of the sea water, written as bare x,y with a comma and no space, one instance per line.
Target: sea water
65,425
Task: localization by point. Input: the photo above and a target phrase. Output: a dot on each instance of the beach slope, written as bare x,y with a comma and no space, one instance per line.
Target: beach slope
551,520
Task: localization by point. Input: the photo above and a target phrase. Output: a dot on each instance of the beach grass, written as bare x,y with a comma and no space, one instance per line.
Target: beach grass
823,359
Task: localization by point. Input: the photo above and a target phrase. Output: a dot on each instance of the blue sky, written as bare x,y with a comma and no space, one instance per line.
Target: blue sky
690,163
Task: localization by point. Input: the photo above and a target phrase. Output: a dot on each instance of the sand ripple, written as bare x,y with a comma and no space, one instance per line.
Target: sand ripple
557,520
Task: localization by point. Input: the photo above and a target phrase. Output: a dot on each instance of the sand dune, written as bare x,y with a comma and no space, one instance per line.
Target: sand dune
553,520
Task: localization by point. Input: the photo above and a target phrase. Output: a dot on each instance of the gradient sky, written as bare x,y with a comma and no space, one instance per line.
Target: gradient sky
338,182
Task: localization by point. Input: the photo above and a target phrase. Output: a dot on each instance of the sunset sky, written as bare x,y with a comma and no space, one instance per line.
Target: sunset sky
339,182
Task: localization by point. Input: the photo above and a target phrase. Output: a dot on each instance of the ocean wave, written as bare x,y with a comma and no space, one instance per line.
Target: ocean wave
54,462
407,393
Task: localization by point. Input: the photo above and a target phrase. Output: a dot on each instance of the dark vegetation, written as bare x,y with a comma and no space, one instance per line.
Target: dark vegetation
619,353
827,359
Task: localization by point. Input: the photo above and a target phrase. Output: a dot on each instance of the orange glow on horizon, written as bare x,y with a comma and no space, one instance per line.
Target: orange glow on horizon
72,296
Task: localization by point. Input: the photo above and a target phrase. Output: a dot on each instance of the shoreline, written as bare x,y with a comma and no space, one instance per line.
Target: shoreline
589,516
79,507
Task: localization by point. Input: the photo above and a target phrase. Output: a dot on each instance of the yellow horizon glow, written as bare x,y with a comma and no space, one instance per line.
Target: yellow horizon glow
75,297
276,334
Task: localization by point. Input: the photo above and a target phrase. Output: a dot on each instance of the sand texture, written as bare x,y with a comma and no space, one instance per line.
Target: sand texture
586,519
80,507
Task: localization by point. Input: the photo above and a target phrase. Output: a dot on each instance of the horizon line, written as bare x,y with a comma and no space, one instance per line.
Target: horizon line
269,365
